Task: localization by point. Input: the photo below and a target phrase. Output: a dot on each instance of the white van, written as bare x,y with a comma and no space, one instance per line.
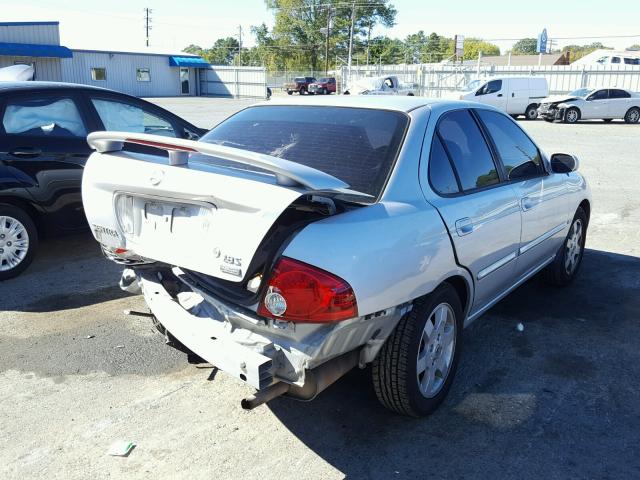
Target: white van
514,95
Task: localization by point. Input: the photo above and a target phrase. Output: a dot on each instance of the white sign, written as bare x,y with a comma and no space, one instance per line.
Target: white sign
459,40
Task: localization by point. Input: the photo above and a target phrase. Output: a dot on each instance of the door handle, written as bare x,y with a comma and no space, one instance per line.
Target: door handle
499,95
464,226
25,152
513,94
527,203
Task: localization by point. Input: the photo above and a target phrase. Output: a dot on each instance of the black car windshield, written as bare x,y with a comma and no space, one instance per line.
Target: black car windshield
300,79
581,92
356,145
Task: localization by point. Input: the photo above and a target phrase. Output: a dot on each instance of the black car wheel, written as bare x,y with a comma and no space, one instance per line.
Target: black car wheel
18,241
531,113
413,372
571,115
568,259
633,115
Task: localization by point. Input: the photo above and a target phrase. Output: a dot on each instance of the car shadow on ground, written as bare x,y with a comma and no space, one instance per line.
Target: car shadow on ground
559,400
67,272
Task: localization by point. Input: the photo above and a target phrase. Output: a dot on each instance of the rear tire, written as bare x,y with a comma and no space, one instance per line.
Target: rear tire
18,241
428,338
566,265
531,113
303,91
572,115
632,115
289,92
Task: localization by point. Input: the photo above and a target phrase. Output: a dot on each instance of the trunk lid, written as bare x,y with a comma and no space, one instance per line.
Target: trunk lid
203,217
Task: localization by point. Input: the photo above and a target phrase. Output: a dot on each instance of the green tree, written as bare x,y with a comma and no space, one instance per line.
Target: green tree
297,37
473,46
634,47
223,51
386,50
579,51
525,46
194,49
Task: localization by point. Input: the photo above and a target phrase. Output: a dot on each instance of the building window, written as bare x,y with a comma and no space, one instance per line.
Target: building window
143,74
98,73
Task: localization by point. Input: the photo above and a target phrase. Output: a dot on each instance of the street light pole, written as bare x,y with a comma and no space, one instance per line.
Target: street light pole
353,16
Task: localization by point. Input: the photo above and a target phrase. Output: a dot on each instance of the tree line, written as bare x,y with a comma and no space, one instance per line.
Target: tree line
298,39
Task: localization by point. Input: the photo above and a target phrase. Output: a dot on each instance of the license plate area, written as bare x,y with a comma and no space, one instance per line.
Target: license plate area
153,219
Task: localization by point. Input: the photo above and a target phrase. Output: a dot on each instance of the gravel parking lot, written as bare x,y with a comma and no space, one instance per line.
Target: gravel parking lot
559,400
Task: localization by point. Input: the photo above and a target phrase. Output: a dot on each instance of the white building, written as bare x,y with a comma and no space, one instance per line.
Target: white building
143,73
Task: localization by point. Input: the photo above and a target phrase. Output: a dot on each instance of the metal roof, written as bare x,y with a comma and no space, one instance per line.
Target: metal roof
26,24
34,50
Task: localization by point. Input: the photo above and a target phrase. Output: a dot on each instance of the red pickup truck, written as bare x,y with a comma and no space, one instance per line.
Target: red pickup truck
299,84
324,86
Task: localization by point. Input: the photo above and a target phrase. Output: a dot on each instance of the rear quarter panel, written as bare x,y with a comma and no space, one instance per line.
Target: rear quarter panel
390,252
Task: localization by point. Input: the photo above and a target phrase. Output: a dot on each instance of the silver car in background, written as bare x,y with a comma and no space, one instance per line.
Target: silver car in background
298,240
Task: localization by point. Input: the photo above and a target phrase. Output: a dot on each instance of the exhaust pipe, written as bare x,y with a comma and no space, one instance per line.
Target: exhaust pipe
316,381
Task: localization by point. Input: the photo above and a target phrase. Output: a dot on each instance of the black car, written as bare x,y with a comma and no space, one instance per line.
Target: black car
43,150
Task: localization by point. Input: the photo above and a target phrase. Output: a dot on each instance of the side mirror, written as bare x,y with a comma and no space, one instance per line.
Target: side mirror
564,163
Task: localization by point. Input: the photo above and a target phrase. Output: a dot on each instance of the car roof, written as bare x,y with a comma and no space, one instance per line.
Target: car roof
29,85
400,103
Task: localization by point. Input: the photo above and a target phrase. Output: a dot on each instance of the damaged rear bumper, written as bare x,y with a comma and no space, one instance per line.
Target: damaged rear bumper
264,352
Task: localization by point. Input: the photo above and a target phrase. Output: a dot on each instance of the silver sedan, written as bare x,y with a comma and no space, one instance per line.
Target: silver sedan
298,240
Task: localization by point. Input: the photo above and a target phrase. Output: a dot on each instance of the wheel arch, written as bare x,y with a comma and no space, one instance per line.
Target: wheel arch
28,209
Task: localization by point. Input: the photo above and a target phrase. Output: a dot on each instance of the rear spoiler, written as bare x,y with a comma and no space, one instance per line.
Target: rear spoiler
287,173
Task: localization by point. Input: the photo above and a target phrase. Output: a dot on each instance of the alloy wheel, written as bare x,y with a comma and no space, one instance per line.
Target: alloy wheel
436,351
573,247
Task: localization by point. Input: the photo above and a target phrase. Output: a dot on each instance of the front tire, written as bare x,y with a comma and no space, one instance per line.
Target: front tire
414,370
303,91
565,266
572,115
18,241
632,115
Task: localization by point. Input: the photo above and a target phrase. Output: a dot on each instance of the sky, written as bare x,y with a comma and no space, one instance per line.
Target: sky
118,24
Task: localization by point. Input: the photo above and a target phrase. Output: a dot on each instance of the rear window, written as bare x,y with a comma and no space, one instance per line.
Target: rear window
356,145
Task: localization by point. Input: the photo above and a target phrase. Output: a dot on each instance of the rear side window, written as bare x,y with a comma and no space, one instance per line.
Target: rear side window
490,87
599,95
617,93
468,150
43,117
441,175
518,153
122,117
356,145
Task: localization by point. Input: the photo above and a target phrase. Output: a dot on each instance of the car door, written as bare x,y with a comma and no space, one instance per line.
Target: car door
596,105
44,144
517,96
493,93
618,102
542,196
481,212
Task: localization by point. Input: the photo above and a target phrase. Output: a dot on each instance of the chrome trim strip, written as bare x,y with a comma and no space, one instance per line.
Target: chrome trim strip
524,278
496,265
542,238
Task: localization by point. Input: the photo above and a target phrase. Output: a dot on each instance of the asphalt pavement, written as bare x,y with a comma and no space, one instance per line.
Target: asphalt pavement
559,400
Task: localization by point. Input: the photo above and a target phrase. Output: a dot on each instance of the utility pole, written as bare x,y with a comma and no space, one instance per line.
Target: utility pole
353,16
239,45
326,45
147,23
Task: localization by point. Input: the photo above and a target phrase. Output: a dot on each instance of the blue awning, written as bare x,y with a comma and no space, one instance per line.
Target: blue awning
189,62
34,50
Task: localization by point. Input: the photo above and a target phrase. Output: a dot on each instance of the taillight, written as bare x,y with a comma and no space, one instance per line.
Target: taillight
305,294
